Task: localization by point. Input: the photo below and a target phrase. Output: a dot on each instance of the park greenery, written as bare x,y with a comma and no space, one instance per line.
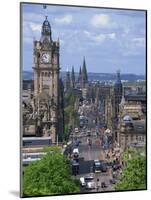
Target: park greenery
134,173
49,176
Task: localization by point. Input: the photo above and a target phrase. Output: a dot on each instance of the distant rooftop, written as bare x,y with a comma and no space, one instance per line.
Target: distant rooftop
135,97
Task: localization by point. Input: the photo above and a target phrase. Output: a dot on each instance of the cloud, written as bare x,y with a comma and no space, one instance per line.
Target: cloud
139,42
99,38
33,17
100,20
31,30
67,19
134,47
35,26
112,35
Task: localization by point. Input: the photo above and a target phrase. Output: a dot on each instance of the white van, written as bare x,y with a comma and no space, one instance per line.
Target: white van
76,130
76,150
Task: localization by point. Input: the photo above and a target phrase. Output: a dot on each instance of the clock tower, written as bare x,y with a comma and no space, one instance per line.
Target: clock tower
46,81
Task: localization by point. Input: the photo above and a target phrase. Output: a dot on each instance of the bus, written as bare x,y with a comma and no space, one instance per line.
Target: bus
30,157
36,141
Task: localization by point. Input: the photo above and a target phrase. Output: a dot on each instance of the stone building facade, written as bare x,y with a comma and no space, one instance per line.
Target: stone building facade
132,122
47,108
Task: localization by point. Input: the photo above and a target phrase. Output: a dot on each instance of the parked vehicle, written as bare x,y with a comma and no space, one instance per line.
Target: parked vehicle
96,166
99,166
36,141
75,167
82,181
103,167
90,185
86,181
76,130
89,133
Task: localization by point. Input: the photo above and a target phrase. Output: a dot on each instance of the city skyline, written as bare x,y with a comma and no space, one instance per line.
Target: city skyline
110,39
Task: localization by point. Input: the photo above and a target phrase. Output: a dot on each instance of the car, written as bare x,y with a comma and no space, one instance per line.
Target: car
99,166
88,133
76,130
104,167
88,178
90,185
96,166
82,181
85,180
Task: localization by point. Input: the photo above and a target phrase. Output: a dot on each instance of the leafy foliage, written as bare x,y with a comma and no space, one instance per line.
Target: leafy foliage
55,149
49,176
134,172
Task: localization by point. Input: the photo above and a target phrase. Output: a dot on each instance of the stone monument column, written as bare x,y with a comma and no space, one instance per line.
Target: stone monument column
53,133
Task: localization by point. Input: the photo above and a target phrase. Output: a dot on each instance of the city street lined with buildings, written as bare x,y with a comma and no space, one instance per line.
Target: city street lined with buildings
89,124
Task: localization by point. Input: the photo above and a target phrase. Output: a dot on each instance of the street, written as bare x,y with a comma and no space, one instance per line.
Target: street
87,155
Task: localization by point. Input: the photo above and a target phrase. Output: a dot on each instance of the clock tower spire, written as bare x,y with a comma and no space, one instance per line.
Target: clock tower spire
46,30
46,69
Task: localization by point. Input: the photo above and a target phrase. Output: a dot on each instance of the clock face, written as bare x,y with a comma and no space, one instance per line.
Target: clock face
45,58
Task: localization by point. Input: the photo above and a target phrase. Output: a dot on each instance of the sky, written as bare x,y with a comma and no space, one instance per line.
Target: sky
110,39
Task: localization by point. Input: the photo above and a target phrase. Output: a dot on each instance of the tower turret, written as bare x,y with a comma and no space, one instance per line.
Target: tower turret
72,78
84,73
68,80
80,77
46,30
117,93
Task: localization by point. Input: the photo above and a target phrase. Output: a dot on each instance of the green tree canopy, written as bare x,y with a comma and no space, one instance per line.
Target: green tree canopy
49,176
134,172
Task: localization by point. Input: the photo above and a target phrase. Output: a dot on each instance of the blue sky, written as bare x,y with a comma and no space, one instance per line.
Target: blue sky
110,39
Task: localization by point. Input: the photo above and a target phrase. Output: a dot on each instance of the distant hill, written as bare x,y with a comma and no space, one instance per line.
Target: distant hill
27,75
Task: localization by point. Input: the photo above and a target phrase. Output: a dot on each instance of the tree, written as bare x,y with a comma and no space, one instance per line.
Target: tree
49,176
134,172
